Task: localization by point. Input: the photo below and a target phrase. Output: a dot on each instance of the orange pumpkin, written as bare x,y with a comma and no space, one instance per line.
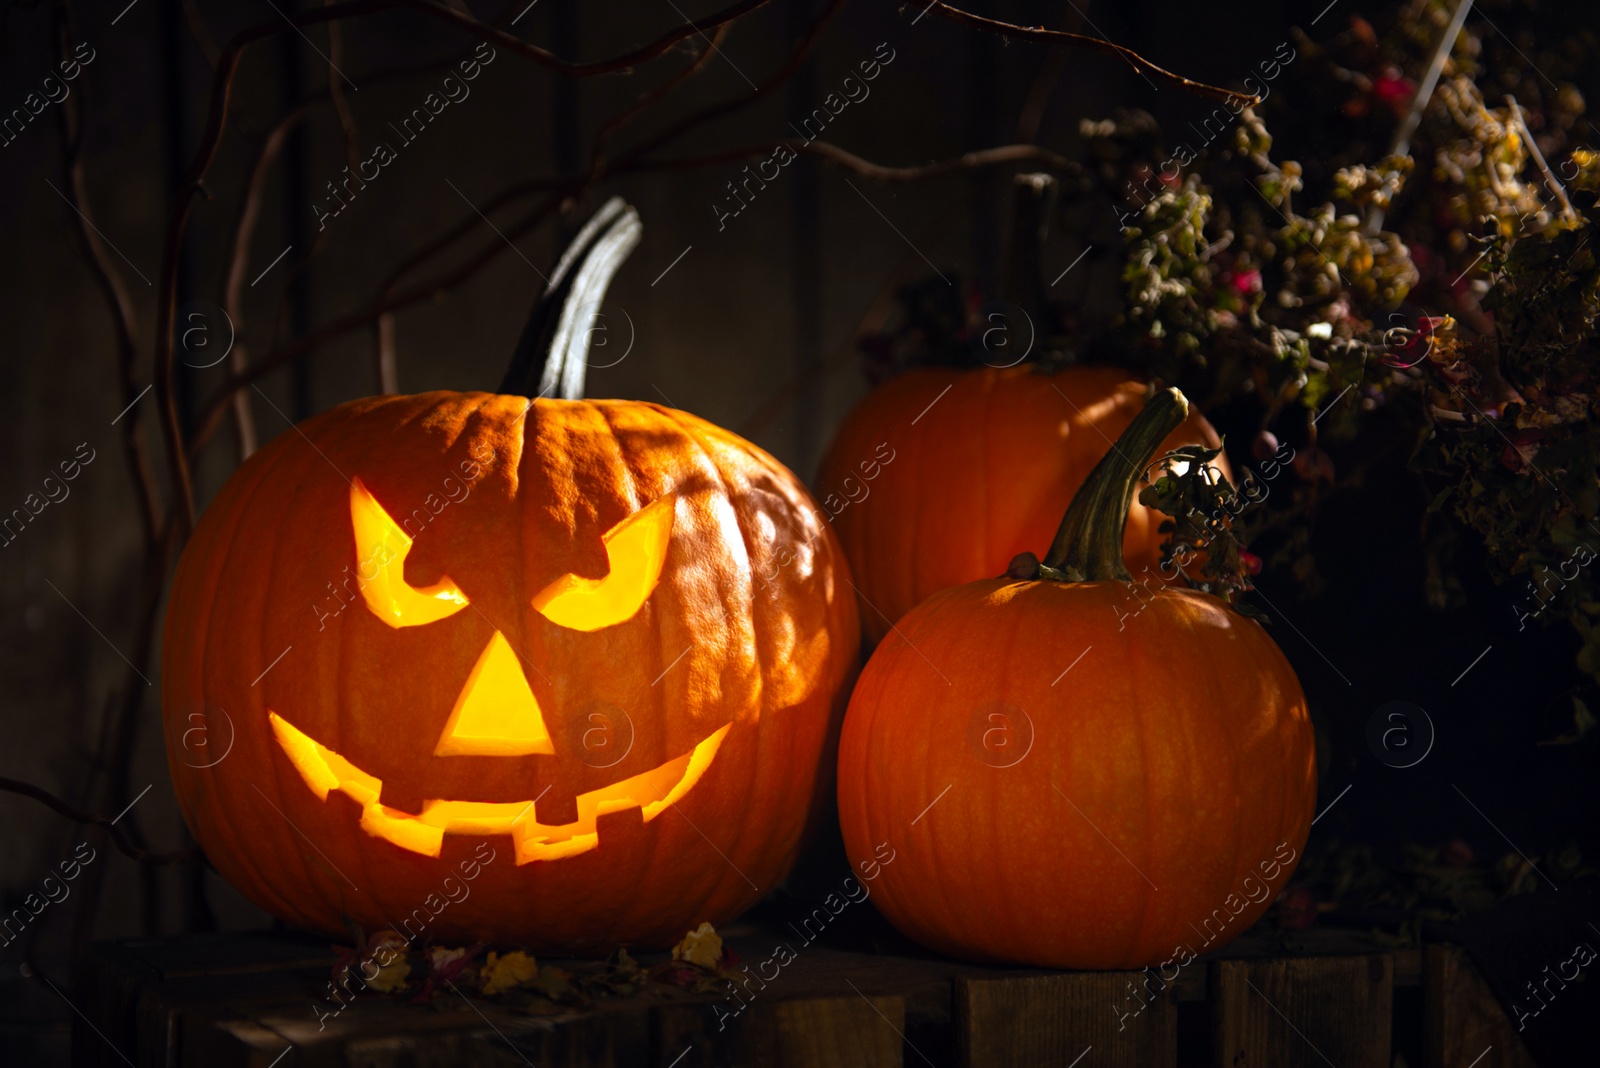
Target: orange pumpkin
1078,774
977,465
499,669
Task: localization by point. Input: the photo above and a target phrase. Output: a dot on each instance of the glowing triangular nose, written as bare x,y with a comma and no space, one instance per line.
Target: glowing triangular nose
495,714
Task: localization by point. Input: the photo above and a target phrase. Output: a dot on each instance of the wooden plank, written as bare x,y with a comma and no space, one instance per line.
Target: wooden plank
387,1034
1465,1024
856,1031
1302,1012
228,1000
1055,1019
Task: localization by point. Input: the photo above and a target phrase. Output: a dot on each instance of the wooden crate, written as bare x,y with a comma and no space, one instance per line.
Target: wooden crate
1466,1025
222,1001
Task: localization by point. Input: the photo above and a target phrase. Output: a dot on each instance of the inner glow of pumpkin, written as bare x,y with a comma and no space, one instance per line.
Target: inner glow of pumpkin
636,549
381,550
651,791
496,713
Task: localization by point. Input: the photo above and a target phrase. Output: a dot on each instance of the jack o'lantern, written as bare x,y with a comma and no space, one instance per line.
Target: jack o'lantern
978,463
500,669
1076,771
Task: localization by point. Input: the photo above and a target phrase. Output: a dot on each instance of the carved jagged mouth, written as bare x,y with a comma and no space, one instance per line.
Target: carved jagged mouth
651,792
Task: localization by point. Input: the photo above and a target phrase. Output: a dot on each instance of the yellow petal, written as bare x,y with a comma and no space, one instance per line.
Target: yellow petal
508,972
702,946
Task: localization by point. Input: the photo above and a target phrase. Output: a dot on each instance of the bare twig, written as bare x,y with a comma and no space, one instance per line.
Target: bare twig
1430,81
967,161
622,118
713,111
207,423
341,106
392,300
1419,103
143,856
124,320
1538,157
238,264
211,138
111,759
1093,44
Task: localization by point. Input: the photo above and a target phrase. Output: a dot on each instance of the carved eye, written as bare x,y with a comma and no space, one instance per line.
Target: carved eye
381,549
636,548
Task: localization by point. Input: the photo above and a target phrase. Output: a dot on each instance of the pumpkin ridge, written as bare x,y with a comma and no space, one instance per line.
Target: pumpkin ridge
350,833
331,890
986,404
1242,865
201,622
1131,655
930,783
911,562
284,465
644,870
1008,885
757,624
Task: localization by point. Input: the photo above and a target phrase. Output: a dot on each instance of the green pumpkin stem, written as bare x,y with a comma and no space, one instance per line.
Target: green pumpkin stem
1088,544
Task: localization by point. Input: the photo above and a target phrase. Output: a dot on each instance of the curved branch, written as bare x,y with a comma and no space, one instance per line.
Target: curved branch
209,417
1093,44
469,225
967,161
717,110
623,117
391,300
243,235
143,856
211,138
124,319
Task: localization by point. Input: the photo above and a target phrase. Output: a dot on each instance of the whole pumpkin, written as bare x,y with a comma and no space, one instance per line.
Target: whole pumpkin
941,476
1078,774
500,669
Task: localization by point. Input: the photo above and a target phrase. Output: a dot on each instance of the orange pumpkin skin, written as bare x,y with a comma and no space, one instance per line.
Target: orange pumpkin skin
977,475
267,620
1165,793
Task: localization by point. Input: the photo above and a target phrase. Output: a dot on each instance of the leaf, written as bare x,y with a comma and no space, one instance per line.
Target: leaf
556,984
508,972
386,955
701,946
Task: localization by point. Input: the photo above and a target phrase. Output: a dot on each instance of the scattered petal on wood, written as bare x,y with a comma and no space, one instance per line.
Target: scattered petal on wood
556,984
701,946
508,972
387,955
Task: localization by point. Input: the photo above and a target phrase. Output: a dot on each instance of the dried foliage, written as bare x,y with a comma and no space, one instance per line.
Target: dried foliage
1428,260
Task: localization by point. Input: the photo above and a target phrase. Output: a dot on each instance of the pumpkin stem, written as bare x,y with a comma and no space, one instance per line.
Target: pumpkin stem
562,319
1088,544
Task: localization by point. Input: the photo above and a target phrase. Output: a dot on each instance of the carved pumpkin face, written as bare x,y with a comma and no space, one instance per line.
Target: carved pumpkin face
597,647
